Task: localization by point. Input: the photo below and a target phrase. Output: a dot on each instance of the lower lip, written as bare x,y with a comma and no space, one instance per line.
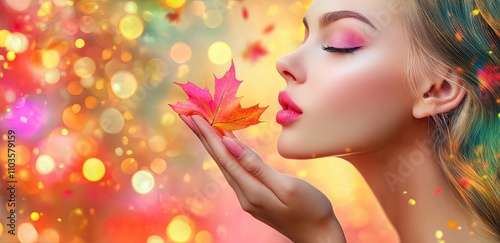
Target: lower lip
285,117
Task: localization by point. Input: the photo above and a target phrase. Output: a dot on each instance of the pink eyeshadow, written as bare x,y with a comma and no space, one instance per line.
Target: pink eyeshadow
346,39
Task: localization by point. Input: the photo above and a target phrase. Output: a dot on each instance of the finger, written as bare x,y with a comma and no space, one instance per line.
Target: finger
249,185
239,194
229,134
281,185
189,122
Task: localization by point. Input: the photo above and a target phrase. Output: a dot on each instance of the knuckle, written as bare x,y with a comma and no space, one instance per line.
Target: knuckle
221,161
254,169
253,165
291,188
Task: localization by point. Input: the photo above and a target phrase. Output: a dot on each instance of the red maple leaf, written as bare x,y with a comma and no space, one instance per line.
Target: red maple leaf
254,51
224,111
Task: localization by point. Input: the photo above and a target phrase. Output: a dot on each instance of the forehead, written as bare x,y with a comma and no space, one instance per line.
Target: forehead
379,12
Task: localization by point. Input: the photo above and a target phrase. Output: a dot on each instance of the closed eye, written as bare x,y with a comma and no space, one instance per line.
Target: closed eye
340,50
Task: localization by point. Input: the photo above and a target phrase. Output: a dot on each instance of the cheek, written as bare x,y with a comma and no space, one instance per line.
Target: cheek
358,104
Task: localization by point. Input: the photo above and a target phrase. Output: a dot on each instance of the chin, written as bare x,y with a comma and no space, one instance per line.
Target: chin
291,150
293,154
297,149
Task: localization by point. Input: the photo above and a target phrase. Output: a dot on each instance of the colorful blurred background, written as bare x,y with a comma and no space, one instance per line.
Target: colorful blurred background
101,157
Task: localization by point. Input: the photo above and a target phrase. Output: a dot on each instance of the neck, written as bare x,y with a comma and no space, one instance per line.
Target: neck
409,185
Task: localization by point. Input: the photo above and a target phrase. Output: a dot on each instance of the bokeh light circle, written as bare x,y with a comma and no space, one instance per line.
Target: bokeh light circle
203,237
87,7
131,7
212,19
180,52
158,165
87,82
175,3
18,5
35,216
112,121
197,8
16,42
143,182
131,27
84,67
93,169
129,166
3,37
157,143
44,164
155,239
27,233
50,59
79,43
180,229
219,53
50,235
91,102
52,76
123,84
87,24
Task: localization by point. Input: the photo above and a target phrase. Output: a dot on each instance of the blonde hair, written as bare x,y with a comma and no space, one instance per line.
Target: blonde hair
463,35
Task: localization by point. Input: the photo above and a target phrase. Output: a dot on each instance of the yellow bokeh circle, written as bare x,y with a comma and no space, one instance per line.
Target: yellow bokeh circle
50,59
180,229
175,3
93,169
131,26
219,53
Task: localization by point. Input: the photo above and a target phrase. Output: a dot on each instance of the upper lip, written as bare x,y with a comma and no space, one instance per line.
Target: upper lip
287,103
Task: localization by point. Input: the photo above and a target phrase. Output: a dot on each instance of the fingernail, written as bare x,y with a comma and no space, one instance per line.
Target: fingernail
234,148
188,122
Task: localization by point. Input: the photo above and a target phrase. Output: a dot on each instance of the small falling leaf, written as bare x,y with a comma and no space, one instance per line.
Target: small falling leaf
254,51
175,17
224,111
268,29
245,13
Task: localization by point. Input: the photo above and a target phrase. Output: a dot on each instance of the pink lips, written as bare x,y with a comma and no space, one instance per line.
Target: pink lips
290,111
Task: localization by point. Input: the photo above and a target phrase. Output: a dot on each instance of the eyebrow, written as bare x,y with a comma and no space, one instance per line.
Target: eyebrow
331,17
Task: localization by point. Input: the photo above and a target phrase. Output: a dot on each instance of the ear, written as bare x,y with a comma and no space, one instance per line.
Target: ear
442,94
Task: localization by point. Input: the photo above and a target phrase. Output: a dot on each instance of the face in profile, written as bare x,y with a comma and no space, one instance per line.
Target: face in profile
347,79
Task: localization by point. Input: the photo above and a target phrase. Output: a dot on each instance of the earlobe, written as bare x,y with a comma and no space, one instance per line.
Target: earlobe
442,96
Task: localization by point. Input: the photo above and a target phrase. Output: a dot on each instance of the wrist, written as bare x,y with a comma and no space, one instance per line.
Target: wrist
326,232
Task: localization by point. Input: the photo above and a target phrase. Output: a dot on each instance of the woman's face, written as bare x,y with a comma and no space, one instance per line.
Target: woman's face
352,100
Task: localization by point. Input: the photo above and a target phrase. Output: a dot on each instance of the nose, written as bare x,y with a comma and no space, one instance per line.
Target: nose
291,68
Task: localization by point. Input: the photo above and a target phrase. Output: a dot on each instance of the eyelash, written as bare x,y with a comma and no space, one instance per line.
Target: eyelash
339,50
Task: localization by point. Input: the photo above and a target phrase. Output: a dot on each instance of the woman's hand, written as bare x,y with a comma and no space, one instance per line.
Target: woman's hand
288,204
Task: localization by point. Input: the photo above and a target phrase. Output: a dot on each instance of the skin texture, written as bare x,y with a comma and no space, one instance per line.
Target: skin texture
355,106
